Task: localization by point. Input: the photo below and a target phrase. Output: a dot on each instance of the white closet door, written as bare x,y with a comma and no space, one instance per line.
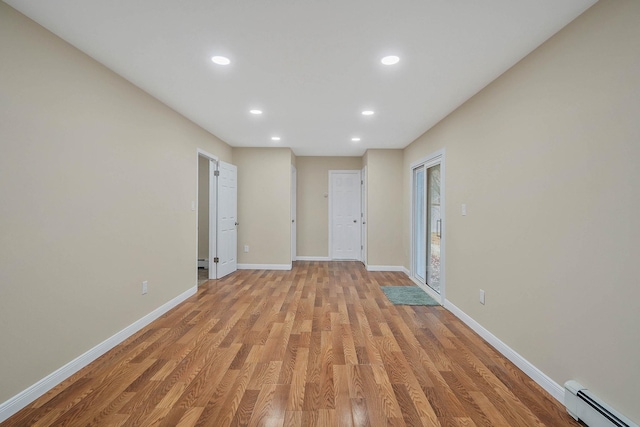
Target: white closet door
344,193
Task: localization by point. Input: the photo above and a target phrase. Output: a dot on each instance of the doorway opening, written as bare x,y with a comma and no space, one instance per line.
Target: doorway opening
206,214
217,218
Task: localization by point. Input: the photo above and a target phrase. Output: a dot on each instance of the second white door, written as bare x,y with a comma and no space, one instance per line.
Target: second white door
227,219
344,214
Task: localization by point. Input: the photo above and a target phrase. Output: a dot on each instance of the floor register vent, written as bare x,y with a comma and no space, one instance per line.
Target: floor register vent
584,406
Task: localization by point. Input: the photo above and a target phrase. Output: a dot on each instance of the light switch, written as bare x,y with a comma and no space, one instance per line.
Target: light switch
193,205
464,209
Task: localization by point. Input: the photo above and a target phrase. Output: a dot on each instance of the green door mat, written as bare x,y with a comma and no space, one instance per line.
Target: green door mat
408,295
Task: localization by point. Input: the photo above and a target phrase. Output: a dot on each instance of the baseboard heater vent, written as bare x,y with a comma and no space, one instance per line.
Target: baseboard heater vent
203,263
584,406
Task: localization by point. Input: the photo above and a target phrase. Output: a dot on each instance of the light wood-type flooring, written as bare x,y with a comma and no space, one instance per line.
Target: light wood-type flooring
316,346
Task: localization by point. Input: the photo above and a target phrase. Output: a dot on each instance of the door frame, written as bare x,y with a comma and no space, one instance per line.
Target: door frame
213,206
330,196
294,224
363,215
433,159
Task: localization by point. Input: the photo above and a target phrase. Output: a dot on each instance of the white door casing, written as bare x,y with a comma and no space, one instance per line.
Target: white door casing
293,212
344,214
213,215
227,223
363,216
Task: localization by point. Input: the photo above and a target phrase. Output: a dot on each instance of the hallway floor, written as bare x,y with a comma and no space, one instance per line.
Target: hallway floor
316,346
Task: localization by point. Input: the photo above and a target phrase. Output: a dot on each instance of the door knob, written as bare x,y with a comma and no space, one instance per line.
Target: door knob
355,220
293,220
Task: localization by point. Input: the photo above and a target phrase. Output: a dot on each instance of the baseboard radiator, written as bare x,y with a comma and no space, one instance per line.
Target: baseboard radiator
203,263
586,407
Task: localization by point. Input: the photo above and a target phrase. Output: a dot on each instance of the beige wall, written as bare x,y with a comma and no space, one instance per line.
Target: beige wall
312,205
385,207
96,182
264,205
546,159
203,207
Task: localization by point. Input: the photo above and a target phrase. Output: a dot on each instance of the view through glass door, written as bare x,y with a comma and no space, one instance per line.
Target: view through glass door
434,228
427,225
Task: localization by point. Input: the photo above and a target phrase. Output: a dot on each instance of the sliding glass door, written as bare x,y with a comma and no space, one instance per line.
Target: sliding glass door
427,209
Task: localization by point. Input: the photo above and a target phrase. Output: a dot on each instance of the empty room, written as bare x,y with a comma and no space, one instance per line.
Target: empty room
279,213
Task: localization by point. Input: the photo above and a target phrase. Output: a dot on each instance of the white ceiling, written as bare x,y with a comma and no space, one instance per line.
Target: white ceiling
312,66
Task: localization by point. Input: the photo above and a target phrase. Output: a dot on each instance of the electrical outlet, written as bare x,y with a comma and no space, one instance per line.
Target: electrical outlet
145,286
482,296
246,248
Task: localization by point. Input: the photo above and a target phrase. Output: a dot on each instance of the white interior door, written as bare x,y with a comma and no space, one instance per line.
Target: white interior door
344,214
293,212
227,222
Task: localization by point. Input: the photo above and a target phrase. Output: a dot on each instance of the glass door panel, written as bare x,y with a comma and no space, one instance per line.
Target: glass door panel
434,228
419,218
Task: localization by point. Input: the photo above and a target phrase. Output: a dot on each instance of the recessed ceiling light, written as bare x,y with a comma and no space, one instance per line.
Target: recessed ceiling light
390,60
355,139
367,113
221,60
256,112
275,138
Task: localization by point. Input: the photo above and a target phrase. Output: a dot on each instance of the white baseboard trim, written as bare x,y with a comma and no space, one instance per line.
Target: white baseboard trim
385,268
406,271
25,397
313,258
264,266
553,388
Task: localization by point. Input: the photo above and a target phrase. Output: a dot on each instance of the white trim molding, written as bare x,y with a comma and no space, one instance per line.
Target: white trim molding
25,397
264,266
385,268
312,258
552,387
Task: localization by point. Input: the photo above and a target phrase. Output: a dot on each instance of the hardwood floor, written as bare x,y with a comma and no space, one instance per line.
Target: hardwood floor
316,346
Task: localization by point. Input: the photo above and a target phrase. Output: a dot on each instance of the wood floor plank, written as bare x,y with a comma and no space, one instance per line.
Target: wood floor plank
245,408
319,345
344,415
190,417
